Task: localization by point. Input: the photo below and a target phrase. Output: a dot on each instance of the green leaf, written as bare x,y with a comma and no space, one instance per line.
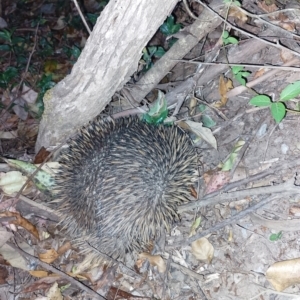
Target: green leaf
75,52
146,56
159,52
202,107
195,226
5,47
208,121
245,73
5,35
240,79
175,28
9,74
17,40
92,18
236,3
225,34
44,84
232,40
169,27
278,111
291,91
236,69
151,50
172,41
276,236
228,164
158,110
261,101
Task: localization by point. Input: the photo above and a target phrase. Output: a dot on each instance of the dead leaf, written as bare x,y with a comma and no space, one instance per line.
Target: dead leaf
83,276
179,259
215,181
39,273
40,284
193,192
259,73
29,95
41,156
225,85
7,135
11,182
200,131
295,210
14,257
3,275
49,256
108,276
20,221
289,26
267,8
60,23
203,250
4,236
284,274
54,293
50,66
64,248
237,14
154,260
192,106
117,293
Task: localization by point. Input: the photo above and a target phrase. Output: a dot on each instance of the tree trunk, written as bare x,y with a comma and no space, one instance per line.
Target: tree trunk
109,58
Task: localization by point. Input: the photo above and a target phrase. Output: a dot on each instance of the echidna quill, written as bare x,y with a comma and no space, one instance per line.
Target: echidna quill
122,180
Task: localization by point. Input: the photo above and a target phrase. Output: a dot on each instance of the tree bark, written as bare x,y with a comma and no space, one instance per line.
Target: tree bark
109,58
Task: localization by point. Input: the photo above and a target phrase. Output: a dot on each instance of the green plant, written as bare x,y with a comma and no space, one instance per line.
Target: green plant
149,53
240,74
72,52
227,39
207,121
12,43
158,110
7,76
232,2
276,236
278,108
169,27
44,84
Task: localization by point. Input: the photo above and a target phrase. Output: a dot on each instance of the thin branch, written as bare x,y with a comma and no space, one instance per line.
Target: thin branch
281,68
223,197
56,271
222,224
274,170
82,17
277,45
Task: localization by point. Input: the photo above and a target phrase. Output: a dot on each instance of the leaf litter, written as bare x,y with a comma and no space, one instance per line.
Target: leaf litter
238,261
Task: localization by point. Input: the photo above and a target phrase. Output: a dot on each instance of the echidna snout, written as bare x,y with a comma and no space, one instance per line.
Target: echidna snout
120,180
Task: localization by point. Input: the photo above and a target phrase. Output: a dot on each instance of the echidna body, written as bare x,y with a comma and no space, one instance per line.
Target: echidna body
121,180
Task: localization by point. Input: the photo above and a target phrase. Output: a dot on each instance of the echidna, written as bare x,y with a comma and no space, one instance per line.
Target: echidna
120,180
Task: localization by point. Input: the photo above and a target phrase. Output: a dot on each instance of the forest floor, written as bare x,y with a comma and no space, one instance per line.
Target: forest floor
250,222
